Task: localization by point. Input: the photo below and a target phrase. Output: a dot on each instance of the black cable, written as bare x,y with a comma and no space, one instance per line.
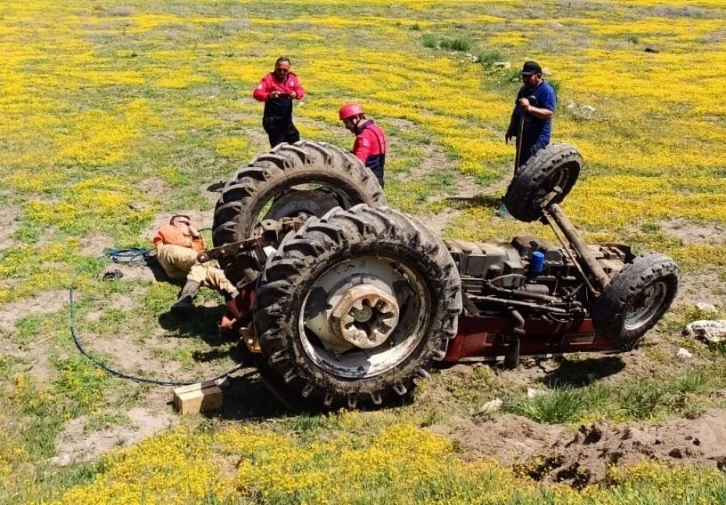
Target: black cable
135,378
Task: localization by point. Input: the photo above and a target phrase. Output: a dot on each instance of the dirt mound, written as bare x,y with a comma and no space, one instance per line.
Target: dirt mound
551,453
510,439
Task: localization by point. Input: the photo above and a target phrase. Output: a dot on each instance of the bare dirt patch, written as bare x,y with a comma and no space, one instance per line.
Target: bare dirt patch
8,224
689,232
702,287
96,246
147,273
41,369
119,302
435,161
438,222
154,187
552,453
46,303
74,444
126,355
401,123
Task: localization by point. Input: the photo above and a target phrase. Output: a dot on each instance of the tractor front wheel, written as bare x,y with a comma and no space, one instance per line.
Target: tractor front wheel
356,305
635,300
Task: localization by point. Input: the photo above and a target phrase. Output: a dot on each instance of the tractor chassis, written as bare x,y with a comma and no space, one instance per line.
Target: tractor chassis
479,337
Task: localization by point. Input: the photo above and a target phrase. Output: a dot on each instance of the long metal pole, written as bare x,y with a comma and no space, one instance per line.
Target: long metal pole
580,247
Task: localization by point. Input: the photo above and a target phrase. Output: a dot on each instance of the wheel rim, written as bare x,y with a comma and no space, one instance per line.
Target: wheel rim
298,200
559,177
339,337
645,306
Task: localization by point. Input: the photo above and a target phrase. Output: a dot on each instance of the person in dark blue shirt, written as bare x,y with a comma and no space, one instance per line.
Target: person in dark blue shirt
531,121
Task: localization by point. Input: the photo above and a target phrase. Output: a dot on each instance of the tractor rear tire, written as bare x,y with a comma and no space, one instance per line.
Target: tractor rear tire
342,179
555,165
635,300
341,249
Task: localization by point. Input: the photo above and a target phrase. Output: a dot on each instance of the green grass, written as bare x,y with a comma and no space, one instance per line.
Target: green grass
562,405
488,58
459,44
637,400
449,44
430,41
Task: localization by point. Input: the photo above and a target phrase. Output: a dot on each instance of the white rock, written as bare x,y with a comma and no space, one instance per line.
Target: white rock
502,64
492,406
587,111
546,71
534,393
710,331
707,307
62,460
684,353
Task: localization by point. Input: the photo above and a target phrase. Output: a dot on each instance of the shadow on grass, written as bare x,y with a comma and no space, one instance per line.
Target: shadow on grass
476,201
581,373
246,395
247,398
216,187
159,273
199,321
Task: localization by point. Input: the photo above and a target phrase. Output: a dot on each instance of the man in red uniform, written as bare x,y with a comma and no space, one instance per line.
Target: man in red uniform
370,141
278,89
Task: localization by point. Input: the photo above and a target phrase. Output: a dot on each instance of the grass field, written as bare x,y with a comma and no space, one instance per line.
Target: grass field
113,116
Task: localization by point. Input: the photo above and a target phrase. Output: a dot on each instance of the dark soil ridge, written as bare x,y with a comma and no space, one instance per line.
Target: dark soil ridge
552,453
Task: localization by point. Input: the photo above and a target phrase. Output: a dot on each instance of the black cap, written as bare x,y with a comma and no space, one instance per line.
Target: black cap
531,68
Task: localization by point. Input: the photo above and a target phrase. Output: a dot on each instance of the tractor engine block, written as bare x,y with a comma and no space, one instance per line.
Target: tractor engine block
506,270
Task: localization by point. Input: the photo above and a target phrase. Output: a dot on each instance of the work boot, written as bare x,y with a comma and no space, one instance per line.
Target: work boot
186,297
502,211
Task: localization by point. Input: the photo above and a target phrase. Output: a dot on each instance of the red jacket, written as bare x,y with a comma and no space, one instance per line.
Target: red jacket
370,147
270,83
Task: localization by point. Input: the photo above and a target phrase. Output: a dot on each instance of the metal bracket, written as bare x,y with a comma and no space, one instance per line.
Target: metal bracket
552,215
250,339
268,231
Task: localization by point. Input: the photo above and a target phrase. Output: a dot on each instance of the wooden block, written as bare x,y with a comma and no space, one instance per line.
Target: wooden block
197,397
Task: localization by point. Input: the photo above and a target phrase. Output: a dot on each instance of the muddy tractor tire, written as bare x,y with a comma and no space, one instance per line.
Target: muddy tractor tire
635,300
356,305
269,188
555,165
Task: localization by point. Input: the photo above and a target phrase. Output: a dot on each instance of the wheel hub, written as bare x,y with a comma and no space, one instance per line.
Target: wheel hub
645,306
365,316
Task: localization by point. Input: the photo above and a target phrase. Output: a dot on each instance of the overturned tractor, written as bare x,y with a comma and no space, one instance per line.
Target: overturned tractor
346,301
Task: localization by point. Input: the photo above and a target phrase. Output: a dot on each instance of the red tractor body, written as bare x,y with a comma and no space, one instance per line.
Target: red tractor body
344,299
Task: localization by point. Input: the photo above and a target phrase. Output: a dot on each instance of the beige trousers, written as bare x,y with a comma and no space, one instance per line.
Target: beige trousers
181,263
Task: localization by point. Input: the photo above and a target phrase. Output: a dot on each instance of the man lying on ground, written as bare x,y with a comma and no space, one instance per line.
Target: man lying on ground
177,245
